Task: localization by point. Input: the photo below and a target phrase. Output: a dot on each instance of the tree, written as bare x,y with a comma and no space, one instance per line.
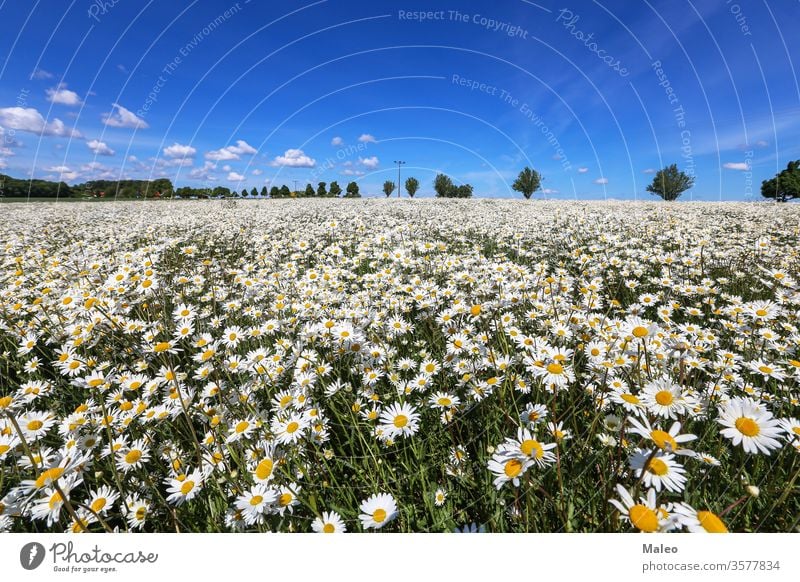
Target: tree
463,191
352,190
412,185
785,185
528,182
335,190
285,192
309,191
254,193
388,188
446,189
443,186
670,183
321,192
264,192
274,192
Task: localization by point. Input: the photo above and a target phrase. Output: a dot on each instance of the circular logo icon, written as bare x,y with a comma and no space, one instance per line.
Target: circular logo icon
31,555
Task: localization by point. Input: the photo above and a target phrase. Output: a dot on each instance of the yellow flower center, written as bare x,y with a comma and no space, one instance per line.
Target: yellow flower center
187,487
54,500
400,420
35,425
443,401
643,518
664,397
98,504
5,401
532,448
747,426
630,398
328,528
292,427
513,468
285,499
475,310
657,467
765,369
761,312
264,469
640,331
379,515
48,476
555,368
133,456
711,523
256,500
242,426
662,439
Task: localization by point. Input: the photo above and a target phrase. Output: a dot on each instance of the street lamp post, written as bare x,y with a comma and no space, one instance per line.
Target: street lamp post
399,165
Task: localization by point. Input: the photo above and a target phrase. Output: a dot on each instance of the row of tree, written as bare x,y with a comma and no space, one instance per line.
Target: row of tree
442,185
321,191
668,183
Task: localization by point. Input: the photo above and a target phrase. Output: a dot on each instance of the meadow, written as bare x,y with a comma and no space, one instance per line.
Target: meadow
399,365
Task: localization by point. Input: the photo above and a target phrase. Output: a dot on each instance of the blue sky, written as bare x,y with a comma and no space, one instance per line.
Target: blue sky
594,95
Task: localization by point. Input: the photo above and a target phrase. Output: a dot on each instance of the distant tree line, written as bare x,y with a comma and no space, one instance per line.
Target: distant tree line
16,188
669,184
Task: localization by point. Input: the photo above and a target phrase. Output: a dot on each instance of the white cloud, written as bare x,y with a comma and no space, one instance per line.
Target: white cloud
337,141
99,148
762,144
204,173
177,150
352,173
601,181
63,96
370,163
257,172
30,120
294,159
121,117
367,138
549,191
740,166
649,171
235,177
227,168
6,152
63,172
3,164
583,170
232,152
41,74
